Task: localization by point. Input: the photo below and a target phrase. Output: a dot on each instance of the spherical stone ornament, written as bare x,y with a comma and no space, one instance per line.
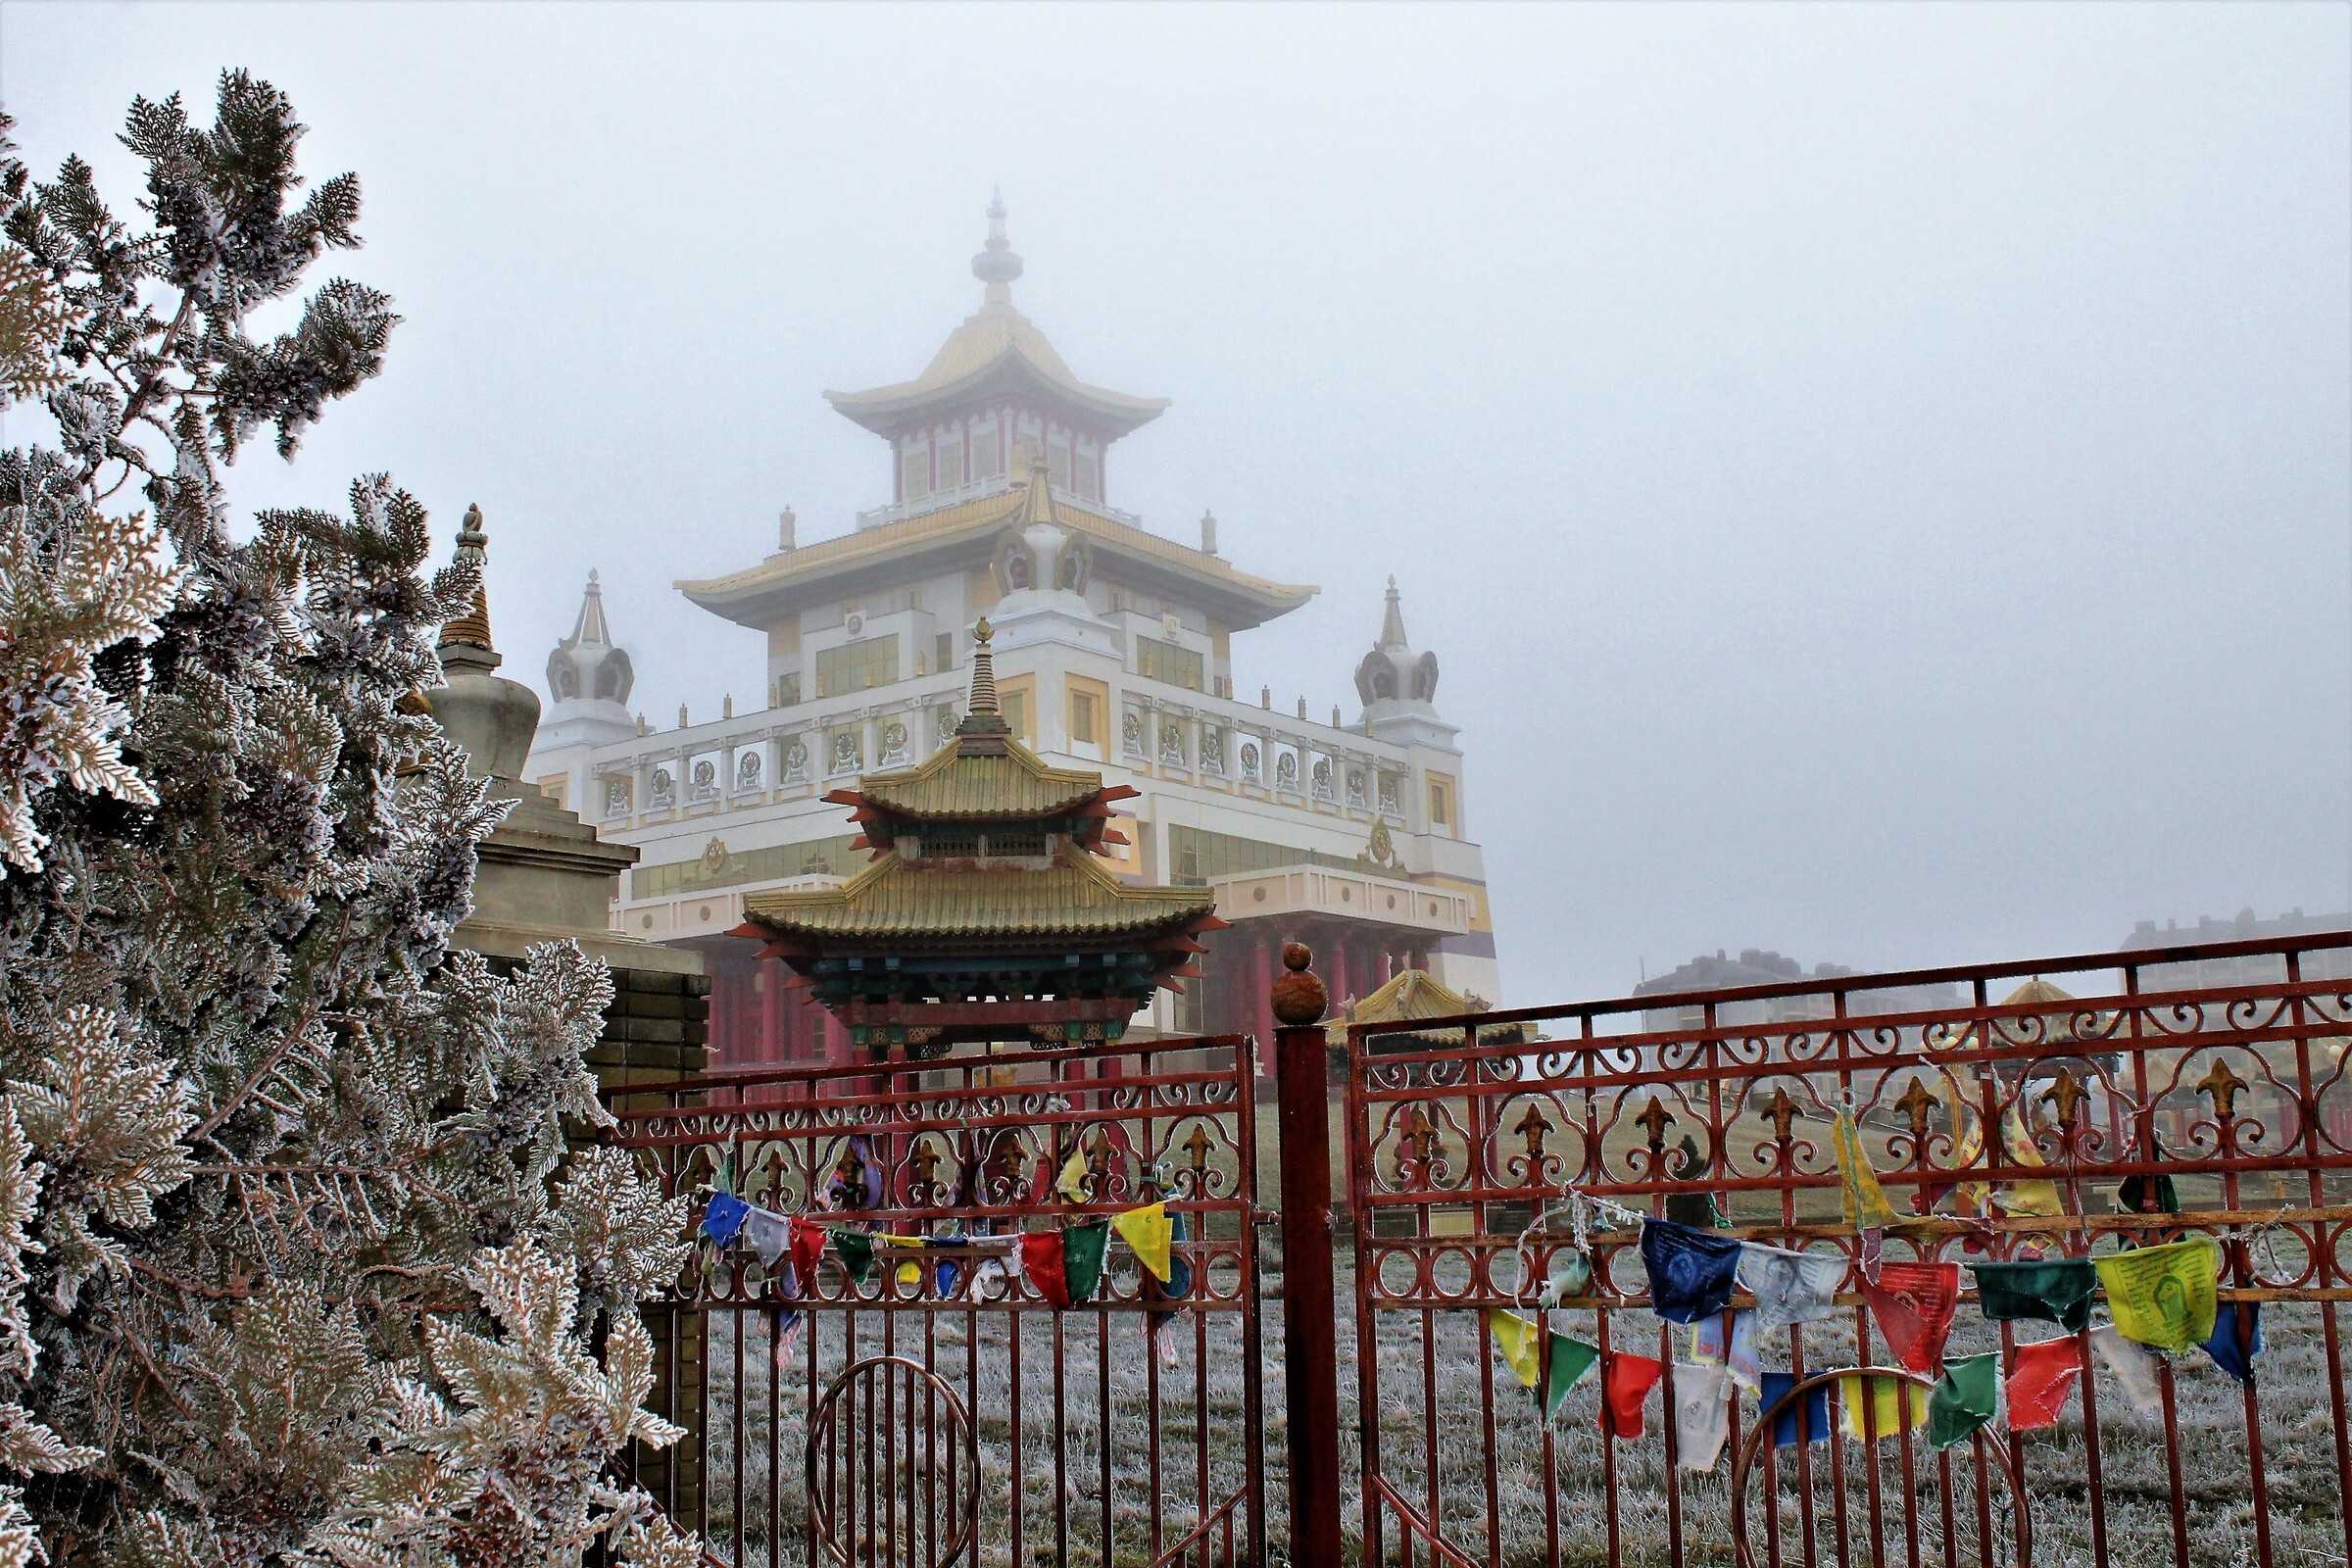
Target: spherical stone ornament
1298,997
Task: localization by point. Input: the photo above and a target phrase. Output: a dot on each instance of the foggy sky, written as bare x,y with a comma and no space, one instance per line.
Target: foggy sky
1878,479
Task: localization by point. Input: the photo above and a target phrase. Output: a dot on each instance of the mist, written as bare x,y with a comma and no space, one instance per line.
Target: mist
1878,479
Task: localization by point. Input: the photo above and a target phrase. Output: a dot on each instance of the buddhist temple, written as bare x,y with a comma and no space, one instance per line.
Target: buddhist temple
986,911
1119,663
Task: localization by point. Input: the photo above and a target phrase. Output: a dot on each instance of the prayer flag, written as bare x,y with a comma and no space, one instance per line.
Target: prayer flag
1866,1205
2136,1369
2057,1290
1515,1338
1894,1406
1702,1416
1962,1400
783,1333
947,1270
769,1235
1913,1305
1625,1384
1789,1287
1144,1230
1082,1248
2222,1344
807,1249
1179,1284
2164,1295
1800,1420
1071,1184
854,1249
1042,1262
1691,1271
2041,1378
1739,1357
2150,1195
2039,1198
1566,1363
1571,1276
723,1216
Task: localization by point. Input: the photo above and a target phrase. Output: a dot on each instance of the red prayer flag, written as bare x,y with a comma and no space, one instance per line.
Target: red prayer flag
1041,1261
2041,1377
1625,1384
1913,1303
807,1248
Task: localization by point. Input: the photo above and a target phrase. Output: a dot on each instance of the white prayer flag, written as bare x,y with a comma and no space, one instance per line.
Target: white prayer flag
2135,1366
1789,1287
1702,1416
1706,1344
770,1235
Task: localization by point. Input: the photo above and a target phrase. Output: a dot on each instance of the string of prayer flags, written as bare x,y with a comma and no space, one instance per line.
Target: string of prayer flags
1082,1249
2222,1344
1961,1402
1626,1380
2164,1295
1913,1303
1515,1338
2056,1290
1893,1405
1567,1361
2041,1378
723,1216
1789,1287
1146,1232
1739,1357
2134,1368
1796,1421
1858,1188
1702,1416
1691,1270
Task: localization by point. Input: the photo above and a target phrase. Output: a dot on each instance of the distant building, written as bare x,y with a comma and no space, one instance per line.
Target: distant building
1115,654
1758,966
2250,969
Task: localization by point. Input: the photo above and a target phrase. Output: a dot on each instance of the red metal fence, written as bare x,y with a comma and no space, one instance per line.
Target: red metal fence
2221,1067
956,1418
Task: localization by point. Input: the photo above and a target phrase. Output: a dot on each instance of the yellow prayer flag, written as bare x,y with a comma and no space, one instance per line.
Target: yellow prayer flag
1866,1205
1071,1183
2039,1198
2163,1295
1146,1231
1517,1338
1889,1399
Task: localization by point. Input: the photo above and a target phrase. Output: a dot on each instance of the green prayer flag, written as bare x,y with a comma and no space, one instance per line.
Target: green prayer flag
856,1250
1569,1361
1962,1399
2057,1292
1082,1248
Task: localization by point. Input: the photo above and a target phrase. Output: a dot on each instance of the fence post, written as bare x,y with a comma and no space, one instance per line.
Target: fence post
1310,1365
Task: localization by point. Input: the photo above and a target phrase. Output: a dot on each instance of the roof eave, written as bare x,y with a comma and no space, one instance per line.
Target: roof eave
886,410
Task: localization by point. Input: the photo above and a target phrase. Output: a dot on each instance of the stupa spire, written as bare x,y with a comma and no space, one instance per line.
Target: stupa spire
1391,621
998,263
983,716
473,627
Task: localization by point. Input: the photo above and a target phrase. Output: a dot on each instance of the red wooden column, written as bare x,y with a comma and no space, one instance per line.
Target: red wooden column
1310,1380
769,976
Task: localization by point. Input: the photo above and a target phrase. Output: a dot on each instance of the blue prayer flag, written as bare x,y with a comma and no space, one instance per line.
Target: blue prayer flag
2224,1347
724,1217
1814,1408
943,1272
1179,1272
1691,1270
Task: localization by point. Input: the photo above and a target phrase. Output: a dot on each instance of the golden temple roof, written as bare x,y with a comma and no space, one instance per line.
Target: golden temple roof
975,519
955,784
1074,896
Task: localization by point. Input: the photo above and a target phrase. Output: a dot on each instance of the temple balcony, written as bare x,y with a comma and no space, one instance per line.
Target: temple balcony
681,917
994,484
1291,892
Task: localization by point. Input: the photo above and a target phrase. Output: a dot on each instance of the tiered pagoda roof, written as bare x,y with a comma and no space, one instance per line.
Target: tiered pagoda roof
985,914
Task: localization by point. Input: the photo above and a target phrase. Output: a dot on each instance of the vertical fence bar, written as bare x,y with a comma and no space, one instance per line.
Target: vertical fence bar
1310,1379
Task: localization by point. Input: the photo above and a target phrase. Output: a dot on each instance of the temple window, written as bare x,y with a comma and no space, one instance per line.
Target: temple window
1167,661
1058,462
915,469
1441,805
984,450
1016,712
950,461
855,667
1089,478
943,651
788,690
1082,718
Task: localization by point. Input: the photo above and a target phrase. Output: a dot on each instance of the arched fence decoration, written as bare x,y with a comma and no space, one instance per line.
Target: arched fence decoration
1481,1162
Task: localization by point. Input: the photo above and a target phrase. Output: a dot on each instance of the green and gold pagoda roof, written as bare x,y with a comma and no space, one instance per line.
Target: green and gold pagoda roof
1072,895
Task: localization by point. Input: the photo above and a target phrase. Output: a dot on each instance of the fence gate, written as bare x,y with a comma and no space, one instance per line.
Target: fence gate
940,1413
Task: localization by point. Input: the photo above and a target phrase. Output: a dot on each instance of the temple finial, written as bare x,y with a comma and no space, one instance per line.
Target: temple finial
983,716
472,627
998,263
1391,621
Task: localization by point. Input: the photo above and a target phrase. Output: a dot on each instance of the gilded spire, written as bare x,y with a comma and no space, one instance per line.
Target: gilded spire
998,263
983,716
1391,621
473,627
1041,494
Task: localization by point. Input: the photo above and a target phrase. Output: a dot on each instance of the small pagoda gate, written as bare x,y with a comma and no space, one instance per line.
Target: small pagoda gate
987,913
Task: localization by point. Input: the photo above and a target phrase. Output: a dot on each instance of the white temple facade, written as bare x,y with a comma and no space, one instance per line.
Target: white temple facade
1115,650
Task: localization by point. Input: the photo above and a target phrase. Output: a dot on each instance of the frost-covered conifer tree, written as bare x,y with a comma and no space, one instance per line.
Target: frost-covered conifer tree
293,1264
